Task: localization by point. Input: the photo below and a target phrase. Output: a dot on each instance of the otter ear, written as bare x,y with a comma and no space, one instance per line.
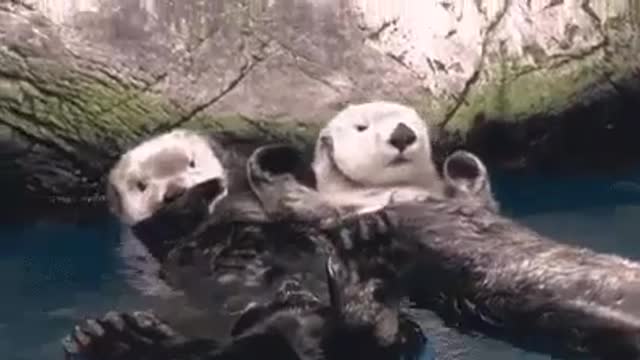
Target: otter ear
465,172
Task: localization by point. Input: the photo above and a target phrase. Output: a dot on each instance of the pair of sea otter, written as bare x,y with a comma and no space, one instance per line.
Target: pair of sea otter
381,223
248,253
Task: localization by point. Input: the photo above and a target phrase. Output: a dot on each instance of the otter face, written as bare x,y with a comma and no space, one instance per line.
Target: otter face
377,144
160,170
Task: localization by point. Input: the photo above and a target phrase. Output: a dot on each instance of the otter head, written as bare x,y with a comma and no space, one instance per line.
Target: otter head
376,144
466,177
160,170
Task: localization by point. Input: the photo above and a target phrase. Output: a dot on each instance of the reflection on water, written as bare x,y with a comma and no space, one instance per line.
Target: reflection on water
53,274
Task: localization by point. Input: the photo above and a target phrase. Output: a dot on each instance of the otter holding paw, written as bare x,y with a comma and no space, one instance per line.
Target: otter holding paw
136,336
294,324
482,271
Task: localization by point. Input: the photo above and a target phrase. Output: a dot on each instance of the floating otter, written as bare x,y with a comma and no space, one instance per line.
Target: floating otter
152,175
455,254
221,257
164,188
293,324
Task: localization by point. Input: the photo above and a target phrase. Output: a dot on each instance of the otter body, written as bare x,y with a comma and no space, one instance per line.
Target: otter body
206,236
480,270
163,188
454,253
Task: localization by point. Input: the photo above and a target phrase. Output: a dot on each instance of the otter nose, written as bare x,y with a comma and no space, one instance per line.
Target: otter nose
402,136
172,192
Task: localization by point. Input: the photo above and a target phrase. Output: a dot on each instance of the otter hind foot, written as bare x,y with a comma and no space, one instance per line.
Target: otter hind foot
130,336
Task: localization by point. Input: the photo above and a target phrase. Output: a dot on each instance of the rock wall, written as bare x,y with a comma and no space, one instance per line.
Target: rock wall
82,79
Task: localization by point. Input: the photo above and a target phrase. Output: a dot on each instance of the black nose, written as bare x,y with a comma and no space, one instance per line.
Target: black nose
173,192
402,136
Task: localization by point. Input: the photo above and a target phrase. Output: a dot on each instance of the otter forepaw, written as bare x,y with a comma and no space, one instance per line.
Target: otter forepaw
122,336
308,206
408,195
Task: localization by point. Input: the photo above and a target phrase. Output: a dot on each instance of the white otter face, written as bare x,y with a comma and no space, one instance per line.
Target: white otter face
378,144
158,171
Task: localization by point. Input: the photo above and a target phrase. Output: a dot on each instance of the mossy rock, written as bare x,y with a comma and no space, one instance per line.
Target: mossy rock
80,84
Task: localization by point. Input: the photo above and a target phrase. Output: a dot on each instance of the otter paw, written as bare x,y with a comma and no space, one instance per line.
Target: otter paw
122,336
306,205
408,195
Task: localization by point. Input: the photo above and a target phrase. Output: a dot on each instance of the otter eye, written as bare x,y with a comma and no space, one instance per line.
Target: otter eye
192,163
361,128
141,185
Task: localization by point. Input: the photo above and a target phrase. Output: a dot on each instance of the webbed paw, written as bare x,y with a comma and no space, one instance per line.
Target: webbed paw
139,335
303,204
408,194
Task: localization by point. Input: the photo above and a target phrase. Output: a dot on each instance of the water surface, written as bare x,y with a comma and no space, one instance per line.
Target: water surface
53,274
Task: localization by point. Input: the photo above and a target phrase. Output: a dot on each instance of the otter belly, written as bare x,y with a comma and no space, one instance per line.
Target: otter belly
227,267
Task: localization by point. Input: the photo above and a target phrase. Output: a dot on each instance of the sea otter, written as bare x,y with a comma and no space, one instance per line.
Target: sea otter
211,242
163,188
457,255
152,175
356,323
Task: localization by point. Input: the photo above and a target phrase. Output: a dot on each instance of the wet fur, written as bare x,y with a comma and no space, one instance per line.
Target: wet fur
456,254
482,271
230,261
292,324
149,235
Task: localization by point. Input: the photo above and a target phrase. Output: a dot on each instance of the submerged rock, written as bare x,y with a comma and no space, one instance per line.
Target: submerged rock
524,83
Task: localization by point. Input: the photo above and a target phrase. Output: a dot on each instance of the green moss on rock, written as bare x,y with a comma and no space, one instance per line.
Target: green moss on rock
512,93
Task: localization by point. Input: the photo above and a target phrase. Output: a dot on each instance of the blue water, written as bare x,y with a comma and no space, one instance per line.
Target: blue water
52,274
